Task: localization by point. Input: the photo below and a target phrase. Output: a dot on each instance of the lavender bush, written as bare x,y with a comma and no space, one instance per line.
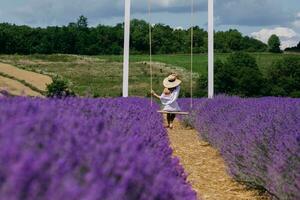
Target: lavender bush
86,149
258,138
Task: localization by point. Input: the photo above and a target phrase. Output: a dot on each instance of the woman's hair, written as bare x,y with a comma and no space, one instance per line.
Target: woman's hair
166,91
172,89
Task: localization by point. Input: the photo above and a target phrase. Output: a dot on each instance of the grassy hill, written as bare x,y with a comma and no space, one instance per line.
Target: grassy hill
102,75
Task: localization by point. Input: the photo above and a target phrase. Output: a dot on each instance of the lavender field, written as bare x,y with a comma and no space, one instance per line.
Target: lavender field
86,149
258,138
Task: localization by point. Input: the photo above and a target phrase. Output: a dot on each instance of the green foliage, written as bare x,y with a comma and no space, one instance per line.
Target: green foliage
294,49
59,89
238,75
203,86
274,44
284,77
79,38
232,40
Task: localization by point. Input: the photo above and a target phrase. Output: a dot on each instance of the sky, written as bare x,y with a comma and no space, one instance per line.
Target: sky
256,18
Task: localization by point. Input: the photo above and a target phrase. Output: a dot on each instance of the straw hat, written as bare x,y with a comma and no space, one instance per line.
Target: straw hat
171,81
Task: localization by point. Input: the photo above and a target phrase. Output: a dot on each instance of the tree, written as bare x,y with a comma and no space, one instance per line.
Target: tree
274,44
82,22
234,40
162,39
238,75
200,38
253,45
140,36
78,38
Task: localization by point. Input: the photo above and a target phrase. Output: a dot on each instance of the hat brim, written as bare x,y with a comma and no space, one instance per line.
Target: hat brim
172,84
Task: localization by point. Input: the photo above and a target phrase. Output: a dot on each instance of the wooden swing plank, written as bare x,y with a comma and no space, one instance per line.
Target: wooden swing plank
175,112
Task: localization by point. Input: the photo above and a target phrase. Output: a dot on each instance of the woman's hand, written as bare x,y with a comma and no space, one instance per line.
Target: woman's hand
154,94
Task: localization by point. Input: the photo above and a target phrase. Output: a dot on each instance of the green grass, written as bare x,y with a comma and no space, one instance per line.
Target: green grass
102,75
200,61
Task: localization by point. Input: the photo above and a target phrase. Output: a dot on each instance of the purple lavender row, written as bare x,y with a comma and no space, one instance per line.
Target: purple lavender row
87,149
258,138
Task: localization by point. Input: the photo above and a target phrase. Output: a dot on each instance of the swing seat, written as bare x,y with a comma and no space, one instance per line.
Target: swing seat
173,112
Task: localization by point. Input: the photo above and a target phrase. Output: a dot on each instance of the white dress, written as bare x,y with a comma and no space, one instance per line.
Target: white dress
170,101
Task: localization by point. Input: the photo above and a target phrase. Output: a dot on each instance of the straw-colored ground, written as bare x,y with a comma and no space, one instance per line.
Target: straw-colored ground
206,168
16,88
37,80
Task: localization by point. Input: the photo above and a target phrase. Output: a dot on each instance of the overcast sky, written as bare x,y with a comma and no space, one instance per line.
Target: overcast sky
257,18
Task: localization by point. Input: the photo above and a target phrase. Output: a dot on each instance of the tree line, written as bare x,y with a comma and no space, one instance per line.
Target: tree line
294,49
79,38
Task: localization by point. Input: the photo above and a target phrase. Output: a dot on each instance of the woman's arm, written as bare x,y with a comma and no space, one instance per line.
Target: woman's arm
154,94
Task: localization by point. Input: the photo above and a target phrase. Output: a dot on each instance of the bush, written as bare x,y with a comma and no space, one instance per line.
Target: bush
59,88
238,75
259,139
284,77
202,83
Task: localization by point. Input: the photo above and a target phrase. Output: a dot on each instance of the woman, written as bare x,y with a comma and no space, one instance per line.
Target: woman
169,97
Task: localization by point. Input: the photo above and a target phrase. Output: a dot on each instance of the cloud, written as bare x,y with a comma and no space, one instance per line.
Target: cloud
287,36
227,12
50,12
179,28
176,6
252,12
296,23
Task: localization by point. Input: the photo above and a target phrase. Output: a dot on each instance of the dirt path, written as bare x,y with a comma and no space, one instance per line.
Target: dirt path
37,80
16,88
206,168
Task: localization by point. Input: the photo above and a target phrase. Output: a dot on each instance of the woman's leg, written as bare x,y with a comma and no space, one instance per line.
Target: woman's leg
168,119
172,117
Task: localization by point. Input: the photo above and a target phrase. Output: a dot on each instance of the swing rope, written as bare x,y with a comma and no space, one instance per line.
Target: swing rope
191,56
150,50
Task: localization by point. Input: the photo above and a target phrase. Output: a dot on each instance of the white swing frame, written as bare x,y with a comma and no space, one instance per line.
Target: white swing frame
210,48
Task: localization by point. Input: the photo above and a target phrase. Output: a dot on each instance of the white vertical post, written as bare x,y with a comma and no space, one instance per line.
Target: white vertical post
126,48
210,49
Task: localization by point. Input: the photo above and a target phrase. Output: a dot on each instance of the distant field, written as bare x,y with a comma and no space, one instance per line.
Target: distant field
102,75
200,60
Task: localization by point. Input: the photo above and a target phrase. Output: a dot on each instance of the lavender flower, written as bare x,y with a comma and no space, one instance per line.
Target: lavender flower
258,138
86,149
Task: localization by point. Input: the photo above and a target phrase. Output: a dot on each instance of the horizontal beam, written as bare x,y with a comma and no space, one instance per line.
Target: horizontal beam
175,112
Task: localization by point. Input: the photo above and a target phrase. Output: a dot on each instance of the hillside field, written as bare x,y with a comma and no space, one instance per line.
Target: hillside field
102,75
